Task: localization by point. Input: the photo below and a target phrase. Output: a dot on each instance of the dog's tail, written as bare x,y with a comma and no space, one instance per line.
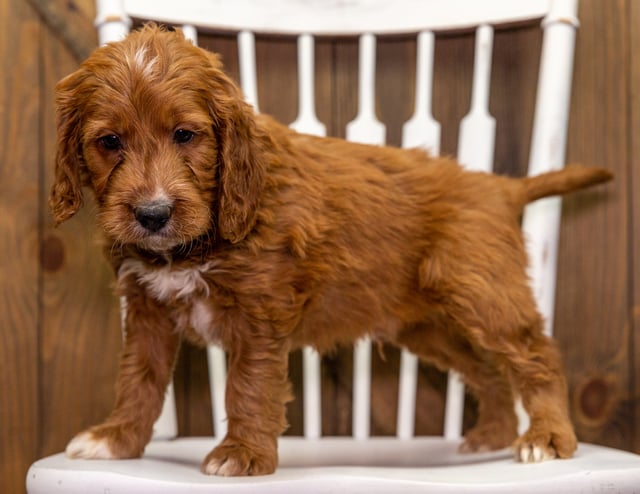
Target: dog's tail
558,182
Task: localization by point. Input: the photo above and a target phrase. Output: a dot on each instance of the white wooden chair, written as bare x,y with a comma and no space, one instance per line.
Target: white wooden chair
362,463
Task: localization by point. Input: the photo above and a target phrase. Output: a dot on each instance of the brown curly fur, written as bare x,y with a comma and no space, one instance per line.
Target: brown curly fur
277,240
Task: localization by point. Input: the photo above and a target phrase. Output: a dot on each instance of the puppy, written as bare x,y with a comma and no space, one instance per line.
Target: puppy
226,227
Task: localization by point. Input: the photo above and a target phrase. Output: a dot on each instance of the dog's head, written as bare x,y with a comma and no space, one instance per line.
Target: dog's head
163,138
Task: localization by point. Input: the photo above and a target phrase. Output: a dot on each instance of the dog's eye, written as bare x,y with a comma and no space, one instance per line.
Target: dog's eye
111,142
182,136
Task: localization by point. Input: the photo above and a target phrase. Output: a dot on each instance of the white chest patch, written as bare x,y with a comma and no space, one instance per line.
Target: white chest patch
168,283
200,319
184,284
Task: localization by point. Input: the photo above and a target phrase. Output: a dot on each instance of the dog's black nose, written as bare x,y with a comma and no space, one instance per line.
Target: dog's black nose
154,215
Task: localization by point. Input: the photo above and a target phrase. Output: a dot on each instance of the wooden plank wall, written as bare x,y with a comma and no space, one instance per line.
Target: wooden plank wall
19,243
59,334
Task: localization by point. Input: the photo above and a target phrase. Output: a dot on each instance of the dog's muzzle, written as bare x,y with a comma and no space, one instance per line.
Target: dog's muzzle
153,216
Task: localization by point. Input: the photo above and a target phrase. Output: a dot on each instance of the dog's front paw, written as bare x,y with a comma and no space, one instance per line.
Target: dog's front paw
536,447
86,445
232,459
105,443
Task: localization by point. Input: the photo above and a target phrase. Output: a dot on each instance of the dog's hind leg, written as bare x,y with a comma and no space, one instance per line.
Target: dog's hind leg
536,373
497,424
532,363
485,300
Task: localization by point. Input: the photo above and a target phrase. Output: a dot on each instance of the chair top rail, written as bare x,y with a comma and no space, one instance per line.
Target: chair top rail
338,17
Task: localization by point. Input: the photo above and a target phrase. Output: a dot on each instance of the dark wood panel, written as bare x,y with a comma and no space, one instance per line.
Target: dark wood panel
193,399
344,98
19,234
633,21
514,81
72,21
591,321
395,83
453,71
278,76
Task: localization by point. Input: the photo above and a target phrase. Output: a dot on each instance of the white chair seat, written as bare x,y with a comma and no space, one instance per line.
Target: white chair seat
331,465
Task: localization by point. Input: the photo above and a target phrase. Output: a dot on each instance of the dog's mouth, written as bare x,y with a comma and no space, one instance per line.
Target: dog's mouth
160,240
155,225
157,242
150,225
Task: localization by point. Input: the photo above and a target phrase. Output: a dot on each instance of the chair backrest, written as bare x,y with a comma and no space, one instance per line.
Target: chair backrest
366,19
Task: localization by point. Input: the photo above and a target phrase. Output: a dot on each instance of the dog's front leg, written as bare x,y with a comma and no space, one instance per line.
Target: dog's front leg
146,366
257,391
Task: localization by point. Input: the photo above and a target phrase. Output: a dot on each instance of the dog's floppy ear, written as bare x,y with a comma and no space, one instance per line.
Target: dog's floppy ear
66,192
241,156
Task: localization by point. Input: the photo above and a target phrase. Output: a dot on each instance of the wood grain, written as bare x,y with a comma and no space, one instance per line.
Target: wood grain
72,21
633,401
591,320
19,235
